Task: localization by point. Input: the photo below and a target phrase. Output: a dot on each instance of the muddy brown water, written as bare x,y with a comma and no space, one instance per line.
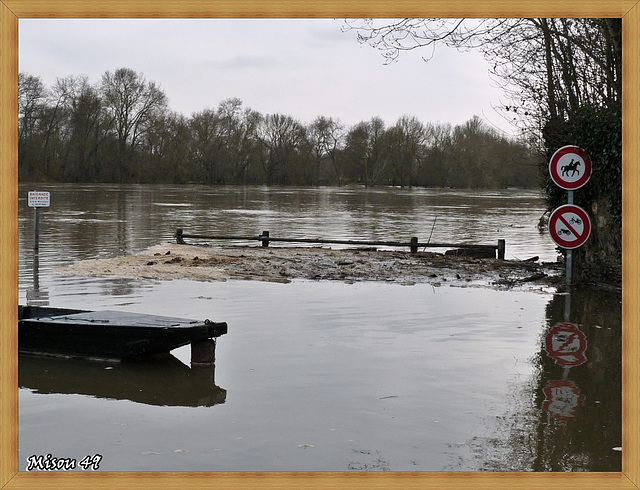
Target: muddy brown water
322,375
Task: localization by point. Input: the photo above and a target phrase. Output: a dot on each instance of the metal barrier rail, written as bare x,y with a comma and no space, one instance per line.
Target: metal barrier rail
413,243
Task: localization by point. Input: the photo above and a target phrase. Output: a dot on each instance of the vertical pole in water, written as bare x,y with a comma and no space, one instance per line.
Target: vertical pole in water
501,249
567,315
567,298
414,244
265,238
569,255
36,273
36,228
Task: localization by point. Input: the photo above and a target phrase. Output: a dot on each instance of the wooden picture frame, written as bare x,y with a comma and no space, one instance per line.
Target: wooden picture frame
13,10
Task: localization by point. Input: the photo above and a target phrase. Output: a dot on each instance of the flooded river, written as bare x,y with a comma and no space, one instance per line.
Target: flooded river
321,375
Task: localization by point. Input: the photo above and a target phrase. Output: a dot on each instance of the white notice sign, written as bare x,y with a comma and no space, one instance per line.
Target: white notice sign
39,199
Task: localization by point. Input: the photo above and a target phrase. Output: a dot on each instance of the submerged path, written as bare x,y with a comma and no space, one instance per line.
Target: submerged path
283,264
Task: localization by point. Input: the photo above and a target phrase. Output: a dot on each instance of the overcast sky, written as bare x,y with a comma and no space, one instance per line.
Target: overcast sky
302,68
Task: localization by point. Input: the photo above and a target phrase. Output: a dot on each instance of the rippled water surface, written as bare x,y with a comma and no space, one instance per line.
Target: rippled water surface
320,376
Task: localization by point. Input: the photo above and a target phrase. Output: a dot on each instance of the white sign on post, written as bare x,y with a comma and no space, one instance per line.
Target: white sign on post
39,199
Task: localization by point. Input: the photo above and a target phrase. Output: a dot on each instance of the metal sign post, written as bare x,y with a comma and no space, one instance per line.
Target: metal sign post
37,200
569,258
36,228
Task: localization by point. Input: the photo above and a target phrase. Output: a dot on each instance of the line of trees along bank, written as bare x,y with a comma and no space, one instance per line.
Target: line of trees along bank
122,130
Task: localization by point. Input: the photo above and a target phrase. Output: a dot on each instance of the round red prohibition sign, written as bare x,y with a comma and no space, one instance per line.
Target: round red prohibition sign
569,226
570,168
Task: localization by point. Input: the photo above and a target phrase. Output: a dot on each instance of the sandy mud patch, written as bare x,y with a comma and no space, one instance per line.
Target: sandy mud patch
283,264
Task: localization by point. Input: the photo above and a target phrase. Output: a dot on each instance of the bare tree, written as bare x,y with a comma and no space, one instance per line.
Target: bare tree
84,129
32,98
326,136
132,103
407,142
281,136
367,152
166,147
206,147
239,127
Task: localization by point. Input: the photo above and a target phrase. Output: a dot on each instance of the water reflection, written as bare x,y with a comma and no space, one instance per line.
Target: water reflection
567,417
580,383
36,295
162,380
562,398
566,345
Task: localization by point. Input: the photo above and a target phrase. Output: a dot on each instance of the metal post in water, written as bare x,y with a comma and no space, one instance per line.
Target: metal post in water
501,248
569,255
36,228
567,304
36,273
265,238
414,244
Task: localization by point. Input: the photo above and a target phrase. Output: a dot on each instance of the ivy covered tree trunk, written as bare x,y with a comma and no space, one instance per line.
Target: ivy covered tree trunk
599,132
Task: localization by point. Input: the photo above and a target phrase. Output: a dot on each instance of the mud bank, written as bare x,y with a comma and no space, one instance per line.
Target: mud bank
282,264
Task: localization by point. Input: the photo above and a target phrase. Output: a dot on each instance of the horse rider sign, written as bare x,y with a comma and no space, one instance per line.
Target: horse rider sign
570,168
